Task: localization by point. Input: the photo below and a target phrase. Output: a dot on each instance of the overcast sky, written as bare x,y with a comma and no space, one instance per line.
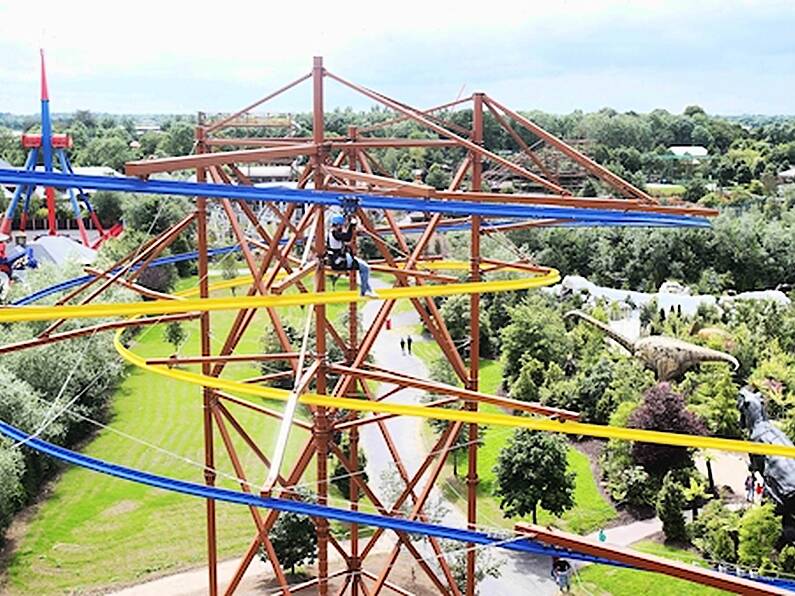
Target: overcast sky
728,56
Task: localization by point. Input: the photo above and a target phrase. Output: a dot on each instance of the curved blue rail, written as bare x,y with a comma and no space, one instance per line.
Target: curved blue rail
521,545
301,508
337,199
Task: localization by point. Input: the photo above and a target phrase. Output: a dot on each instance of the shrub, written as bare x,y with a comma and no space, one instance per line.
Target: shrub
670,503
760,528
663,410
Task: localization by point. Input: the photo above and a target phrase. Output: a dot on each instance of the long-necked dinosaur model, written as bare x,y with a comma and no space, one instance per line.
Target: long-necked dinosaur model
668,357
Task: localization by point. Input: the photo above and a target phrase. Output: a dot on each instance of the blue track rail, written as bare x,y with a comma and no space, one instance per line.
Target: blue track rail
337,199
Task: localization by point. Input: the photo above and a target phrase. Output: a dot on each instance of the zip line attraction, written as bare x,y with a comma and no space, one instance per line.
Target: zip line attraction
277,281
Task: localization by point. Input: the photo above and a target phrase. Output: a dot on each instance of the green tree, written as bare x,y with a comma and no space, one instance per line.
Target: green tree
108,207
760,528
12,494
455,312
294,539
670,502
487,565
341,476
178,139
111,151
175,335
664,410
532,470
714,400
535,329
437,177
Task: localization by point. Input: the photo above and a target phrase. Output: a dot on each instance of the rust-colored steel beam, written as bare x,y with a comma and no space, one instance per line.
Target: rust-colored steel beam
385,376
261,409
147,167
465,143
408,188
474,349
586,162
83,331
223,121
700,575
176,360
255,512
138,289
307,453
519,141
390,122
207,393
387,143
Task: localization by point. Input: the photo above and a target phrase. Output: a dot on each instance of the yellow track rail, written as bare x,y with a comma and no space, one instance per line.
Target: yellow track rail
31,313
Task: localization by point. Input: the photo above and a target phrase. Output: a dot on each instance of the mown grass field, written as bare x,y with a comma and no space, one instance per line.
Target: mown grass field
599,580
590,512
96,530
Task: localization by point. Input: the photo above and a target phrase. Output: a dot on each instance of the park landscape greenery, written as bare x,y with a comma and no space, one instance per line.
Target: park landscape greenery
529,353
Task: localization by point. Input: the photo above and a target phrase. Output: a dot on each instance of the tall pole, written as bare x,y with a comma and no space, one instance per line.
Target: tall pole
474,350
46,147
321,429
204,323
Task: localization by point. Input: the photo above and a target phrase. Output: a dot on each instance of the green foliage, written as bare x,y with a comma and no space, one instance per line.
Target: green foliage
294,540
12,493
631,486
774,377
535,329
715,531
670,502
714,400
531,471
760,528
160,279
488,564
340,476
111,151
175,334
531,376
786,558
455,312
108,207
178,139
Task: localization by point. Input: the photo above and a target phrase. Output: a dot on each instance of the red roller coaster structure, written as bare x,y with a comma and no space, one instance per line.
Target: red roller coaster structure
347,163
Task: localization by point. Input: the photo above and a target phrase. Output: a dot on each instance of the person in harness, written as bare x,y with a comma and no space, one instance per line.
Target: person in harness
339,255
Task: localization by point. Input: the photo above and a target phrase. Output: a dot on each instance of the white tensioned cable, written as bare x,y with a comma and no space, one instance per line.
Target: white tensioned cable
50,416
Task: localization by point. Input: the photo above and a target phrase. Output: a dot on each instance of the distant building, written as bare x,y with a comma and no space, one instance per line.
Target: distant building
694,152
787,176
269,173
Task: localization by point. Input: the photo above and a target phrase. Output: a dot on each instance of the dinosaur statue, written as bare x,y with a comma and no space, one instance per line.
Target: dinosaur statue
668,357
778,472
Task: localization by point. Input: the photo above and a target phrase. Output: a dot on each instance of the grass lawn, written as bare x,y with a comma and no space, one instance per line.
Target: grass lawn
603,579
96,530
590,511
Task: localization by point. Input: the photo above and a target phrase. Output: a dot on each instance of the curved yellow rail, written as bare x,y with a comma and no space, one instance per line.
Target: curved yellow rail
163,307
30,313
545,424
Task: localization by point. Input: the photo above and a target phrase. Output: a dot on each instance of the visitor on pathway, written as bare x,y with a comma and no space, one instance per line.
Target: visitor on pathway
340,256
749,488
409,341
561,573
402,346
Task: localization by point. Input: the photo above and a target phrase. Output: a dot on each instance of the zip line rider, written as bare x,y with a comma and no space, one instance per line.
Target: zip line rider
340,257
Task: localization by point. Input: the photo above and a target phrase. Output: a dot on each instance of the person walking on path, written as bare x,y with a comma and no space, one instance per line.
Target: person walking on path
409,341
402,346
749,488
561,573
